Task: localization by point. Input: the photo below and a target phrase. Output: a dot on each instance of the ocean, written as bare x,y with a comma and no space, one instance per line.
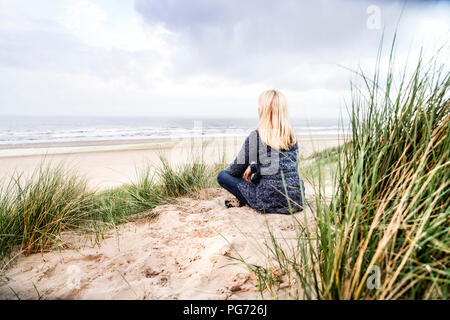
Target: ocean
28,130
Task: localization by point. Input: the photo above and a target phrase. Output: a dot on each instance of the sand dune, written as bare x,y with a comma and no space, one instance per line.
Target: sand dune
180,254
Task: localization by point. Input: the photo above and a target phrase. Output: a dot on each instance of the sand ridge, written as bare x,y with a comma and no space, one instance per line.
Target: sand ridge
180,254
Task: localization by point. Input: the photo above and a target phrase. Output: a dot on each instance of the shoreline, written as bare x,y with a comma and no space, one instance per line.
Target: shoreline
109,164
69,147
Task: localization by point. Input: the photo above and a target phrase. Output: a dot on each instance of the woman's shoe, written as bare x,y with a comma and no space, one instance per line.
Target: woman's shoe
232,203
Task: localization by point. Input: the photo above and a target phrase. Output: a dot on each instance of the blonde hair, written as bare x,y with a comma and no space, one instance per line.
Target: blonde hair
274,127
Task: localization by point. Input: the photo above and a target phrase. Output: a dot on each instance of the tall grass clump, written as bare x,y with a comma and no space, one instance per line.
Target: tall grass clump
384,232
35,209
117,205
391,211
185,178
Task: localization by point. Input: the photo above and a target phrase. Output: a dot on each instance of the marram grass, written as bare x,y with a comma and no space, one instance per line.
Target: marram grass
391,209
36,209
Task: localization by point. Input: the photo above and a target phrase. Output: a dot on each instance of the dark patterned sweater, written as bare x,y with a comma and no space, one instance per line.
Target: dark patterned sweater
276,186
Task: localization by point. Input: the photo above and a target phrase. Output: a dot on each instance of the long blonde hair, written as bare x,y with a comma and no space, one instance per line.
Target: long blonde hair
274,127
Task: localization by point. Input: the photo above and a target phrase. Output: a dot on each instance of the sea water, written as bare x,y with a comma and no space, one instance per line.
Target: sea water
25,130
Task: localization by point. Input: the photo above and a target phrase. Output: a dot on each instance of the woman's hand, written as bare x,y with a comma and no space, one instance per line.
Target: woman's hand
247,174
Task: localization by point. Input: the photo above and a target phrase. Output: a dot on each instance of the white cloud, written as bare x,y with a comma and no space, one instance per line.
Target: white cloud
122,30
199,58
86,20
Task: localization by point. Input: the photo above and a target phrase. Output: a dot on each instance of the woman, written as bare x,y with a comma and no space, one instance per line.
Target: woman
264,174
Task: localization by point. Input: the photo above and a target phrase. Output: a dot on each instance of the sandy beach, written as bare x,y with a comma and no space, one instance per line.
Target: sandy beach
108,164
183,253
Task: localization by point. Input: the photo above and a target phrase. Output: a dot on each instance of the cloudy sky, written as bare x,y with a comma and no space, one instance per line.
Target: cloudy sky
197,57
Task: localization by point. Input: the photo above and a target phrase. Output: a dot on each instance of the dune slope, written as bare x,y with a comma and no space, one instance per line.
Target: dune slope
180,254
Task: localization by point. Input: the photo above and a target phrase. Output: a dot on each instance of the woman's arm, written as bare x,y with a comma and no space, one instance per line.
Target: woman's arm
245,157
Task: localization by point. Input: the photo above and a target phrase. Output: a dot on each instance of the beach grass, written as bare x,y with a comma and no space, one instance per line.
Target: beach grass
189,177
36,209
385,234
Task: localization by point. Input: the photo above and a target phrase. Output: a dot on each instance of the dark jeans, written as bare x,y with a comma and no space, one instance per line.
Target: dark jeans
228,182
